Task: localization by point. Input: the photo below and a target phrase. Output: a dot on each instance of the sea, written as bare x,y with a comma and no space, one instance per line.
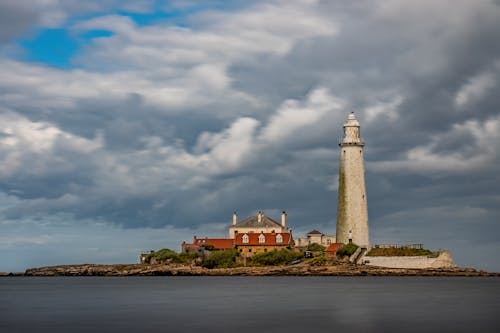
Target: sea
249,304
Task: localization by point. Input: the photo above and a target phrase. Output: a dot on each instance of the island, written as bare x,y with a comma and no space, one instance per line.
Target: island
280,270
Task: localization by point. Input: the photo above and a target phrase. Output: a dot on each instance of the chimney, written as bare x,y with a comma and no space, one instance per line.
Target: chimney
283,219
235,218
259,216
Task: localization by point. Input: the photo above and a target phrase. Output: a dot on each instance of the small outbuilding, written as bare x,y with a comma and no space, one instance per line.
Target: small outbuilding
332,249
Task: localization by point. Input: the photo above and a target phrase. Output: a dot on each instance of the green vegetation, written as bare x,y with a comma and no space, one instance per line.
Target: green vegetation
167,255
164,255
314,247
318,260
399,252
220,259
347,250
276,257
209,247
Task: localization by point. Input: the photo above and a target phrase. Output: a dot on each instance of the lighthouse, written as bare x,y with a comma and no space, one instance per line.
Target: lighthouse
352,209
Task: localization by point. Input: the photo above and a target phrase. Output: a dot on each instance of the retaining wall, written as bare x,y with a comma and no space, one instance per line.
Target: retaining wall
444,259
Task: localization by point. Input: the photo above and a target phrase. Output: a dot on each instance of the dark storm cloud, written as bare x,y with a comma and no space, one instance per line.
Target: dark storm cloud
15,19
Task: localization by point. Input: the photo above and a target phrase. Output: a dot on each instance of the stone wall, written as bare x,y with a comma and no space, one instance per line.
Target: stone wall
444,259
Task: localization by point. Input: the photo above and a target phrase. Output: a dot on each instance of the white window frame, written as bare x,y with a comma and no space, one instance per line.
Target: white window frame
279,238
262,239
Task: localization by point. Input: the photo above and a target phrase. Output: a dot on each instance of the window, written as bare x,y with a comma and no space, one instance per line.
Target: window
262,238
245,239
279,238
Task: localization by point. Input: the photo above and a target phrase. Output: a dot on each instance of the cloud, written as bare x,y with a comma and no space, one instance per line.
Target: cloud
386,110
36,145
474,89
91,175
293,115
476,155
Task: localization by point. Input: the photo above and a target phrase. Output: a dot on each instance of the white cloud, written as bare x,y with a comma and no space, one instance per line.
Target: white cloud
474,89
214,37
386,110
424,159
171,68
293,114
27,145
229,149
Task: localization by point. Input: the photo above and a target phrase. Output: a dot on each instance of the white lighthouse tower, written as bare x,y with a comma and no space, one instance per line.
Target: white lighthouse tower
352,209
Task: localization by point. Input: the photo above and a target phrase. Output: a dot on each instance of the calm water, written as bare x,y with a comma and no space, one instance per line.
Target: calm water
249,304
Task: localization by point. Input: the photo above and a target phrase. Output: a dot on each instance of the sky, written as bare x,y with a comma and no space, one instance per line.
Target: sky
127,126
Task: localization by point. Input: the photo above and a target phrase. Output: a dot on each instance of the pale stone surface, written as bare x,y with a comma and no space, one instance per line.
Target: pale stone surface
444,260
352,211
257,224
315,238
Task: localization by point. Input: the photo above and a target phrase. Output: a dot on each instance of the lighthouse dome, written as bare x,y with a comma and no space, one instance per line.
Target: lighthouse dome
351,120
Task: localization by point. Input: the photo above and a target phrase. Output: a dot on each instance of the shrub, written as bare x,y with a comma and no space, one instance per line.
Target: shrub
347,250
314,247
162,256
276,257
167,255
220,259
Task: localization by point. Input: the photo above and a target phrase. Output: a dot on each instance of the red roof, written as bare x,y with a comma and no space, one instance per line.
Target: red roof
334,247
264,239
218,243
190,246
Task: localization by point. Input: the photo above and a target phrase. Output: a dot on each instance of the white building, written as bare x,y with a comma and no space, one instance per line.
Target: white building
315,237
258,224
352,209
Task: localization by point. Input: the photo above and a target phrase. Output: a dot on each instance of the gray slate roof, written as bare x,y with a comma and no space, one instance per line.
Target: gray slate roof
314,232
253,222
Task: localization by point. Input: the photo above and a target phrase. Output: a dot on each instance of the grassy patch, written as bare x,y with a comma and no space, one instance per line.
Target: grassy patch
398,252
320,260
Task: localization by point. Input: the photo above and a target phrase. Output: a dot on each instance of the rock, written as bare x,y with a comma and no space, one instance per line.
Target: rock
302,270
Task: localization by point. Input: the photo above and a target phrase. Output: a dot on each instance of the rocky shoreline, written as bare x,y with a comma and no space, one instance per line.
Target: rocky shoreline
291,270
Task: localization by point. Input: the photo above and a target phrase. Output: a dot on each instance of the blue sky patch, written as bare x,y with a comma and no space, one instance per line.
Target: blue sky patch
54,47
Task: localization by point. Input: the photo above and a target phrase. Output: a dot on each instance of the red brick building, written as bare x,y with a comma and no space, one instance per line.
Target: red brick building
252,243
199,244
332,249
